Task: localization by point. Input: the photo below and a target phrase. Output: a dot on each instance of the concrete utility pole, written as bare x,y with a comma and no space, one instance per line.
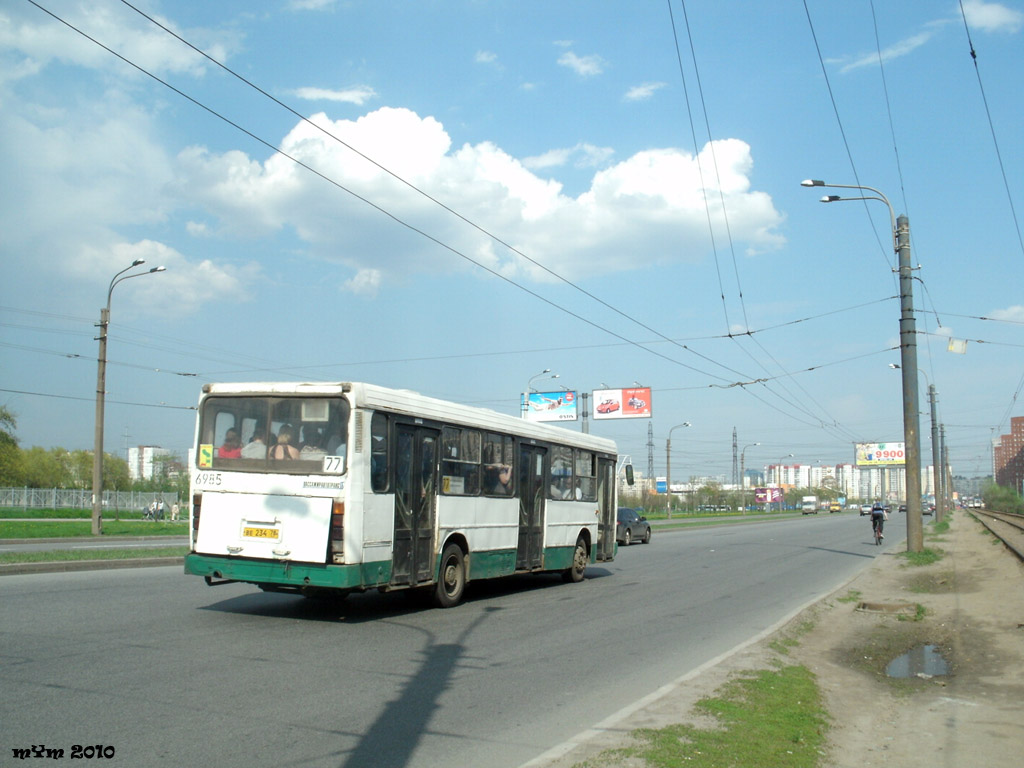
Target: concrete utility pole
908,357
937,472
101,391
947,477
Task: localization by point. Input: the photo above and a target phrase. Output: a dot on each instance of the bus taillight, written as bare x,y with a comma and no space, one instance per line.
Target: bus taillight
197,503
338,531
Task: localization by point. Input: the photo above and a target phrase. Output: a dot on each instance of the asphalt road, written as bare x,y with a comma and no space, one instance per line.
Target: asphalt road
165,669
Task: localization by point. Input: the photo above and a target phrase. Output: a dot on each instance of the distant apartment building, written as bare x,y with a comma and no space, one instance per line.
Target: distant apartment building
1008,456
849,480
144,460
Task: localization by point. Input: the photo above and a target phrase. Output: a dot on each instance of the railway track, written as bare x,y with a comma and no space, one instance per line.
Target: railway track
1005,526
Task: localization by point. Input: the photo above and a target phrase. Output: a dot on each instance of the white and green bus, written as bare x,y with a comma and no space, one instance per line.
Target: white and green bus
323,489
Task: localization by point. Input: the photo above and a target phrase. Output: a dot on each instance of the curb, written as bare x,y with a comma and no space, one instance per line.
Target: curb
87,565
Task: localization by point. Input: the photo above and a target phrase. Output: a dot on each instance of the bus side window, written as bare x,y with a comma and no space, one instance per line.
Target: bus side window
561,473
498,466
460,464
586,480
379,452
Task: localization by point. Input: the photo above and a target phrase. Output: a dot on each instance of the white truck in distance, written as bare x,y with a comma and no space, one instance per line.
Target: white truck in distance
809,505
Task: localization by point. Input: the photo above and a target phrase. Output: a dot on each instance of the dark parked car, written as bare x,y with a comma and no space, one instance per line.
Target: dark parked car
632,525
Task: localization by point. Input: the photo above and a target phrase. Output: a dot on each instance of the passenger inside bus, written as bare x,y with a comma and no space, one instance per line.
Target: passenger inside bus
312,447
284,449
498,479
232,448
255,448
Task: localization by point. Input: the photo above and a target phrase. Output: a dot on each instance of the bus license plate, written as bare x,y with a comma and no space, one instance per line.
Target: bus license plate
259,533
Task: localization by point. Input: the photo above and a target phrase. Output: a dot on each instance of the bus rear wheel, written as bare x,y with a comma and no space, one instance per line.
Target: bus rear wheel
575,572
451,580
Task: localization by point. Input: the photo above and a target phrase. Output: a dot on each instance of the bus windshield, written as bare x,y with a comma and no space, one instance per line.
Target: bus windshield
298,435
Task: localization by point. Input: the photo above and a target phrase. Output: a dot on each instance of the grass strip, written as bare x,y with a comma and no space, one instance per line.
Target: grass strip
54,529
925,557
770,717
65,555
69,513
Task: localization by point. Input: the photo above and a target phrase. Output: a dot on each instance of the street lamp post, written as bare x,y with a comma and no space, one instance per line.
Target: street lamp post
101,388
908,356
668,466
743,473
529,389
778,469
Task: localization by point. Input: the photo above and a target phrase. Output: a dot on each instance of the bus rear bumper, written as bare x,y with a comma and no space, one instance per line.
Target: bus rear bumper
221,569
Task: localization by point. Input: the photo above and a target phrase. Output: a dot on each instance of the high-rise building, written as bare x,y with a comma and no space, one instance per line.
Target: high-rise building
144,460
1008,456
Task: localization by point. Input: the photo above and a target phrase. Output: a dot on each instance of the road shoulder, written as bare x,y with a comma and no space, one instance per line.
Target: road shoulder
972,610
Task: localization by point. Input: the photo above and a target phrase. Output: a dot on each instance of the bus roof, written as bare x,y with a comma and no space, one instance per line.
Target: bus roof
414,404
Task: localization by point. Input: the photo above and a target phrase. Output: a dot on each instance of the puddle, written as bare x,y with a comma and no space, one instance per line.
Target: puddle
922,661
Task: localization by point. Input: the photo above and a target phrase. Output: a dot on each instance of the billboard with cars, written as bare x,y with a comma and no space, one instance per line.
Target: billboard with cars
630,403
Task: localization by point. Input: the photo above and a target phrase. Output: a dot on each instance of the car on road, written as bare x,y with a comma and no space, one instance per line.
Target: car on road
865,509
903,507
835,506
631,525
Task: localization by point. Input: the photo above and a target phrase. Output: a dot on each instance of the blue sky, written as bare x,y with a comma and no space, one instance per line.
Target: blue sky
487,189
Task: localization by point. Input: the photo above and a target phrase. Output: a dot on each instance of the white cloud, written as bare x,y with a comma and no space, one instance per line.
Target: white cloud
649,205
987,17
36,37
585,66
1014,314
357,94
587,156
895,51
643,92
365,283
310,5
992,17
184,287
485,57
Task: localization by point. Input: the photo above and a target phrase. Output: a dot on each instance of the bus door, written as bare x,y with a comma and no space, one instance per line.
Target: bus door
530,554
606,509
415,504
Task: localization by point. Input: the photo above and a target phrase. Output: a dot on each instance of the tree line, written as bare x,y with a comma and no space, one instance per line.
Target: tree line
60,468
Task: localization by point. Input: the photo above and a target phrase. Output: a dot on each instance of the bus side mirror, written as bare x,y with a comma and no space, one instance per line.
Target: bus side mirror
629,474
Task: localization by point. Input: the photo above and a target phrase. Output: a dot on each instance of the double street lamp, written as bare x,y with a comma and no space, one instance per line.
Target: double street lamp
529,389
668,466
101,385
908,356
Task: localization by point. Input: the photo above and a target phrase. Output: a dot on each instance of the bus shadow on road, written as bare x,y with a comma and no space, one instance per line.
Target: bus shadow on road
373,605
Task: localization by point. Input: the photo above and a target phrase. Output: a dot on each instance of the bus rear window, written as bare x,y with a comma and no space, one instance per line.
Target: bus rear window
301,435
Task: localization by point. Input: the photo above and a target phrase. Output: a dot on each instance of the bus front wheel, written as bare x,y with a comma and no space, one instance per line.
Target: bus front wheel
451,581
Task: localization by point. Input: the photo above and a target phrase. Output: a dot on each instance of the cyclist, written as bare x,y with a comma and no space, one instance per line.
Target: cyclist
878,518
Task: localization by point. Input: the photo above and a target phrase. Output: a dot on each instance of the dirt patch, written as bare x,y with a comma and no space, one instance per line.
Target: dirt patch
972,600
971,608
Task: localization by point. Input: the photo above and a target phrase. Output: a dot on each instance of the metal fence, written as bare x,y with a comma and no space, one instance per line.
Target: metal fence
76,498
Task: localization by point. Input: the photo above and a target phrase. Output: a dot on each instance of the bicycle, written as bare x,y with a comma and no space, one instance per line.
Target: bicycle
876,525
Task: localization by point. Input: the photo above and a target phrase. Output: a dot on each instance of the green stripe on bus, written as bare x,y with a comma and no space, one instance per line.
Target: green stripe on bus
482,565
290,574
